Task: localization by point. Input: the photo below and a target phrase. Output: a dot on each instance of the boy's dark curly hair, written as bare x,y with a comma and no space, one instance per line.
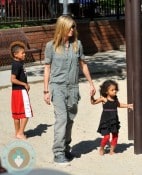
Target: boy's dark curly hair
104,87
15,46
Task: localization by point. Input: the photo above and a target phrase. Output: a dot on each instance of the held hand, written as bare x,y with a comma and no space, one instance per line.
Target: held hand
47,98
92,100
92,90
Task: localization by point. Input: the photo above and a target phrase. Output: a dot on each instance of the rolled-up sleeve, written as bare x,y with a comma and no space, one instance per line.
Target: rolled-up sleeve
48,53
81,53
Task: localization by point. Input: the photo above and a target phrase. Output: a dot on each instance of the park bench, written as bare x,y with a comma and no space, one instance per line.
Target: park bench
9,36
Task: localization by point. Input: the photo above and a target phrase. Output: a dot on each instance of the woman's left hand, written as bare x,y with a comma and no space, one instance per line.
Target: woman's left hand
92,90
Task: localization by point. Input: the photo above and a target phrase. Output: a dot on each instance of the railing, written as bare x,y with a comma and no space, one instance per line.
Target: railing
29,11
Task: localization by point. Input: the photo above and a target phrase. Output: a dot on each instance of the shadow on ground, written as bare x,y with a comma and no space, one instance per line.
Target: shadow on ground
101,65
120,148
107,64
32,72
85,147
123,147
38,131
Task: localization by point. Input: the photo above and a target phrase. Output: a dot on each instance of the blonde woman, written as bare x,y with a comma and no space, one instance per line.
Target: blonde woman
63,56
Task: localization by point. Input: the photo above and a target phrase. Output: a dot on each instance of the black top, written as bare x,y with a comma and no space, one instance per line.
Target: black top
20,73
109,122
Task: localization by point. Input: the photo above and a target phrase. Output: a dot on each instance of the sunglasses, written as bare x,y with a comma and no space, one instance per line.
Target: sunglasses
73,26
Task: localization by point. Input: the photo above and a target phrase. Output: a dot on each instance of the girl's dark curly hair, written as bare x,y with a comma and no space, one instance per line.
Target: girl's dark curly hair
104,87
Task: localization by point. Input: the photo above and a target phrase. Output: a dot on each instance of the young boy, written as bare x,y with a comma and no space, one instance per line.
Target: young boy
20,103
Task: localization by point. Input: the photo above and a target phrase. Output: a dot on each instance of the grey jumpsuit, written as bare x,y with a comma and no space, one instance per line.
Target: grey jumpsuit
64,91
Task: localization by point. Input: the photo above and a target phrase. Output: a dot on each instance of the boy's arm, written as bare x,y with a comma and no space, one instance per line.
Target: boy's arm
14,80
96,101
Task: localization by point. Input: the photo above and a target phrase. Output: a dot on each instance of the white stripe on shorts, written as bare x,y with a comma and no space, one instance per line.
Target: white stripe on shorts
27,105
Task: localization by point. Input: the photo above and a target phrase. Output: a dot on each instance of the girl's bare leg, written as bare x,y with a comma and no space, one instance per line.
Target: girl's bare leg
101,151
20,134
112,150
17,126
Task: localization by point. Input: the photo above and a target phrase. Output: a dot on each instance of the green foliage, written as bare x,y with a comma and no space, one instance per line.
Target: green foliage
111,3
7,26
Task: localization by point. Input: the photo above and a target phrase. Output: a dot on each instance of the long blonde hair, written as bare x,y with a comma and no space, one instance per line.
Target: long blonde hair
63,26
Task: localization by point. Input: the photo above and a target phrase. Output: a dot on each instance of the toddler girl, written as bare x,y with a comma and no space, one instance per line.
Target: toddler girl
109,122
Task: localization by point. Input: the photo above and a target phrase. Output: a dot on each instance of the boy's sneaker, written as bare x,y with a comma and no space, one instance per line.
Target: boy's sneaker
61,159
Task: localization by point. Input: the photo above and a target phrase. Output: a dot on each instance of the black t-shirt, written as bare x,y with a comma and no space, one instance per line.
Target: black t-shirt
19,72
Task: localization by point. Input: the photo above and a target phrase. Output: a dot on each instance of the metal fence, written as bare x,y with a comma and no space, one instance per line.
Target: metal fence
29,11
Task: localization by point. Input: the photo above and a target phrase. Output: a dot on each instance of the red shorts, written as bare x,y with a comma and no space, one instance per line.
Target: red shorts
20,104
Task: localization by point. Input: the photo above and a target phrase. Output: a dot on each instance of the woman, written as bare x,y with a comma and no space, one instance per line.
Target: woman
63,56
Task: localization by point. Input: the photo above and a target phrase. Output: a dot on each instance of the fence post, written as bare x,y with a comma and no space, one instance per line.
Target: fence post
137,60
129,60
22,12
117,5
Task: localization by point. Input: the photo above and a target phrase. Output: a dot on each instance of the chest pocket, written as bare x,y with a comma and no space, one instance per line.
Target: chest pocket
59,60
